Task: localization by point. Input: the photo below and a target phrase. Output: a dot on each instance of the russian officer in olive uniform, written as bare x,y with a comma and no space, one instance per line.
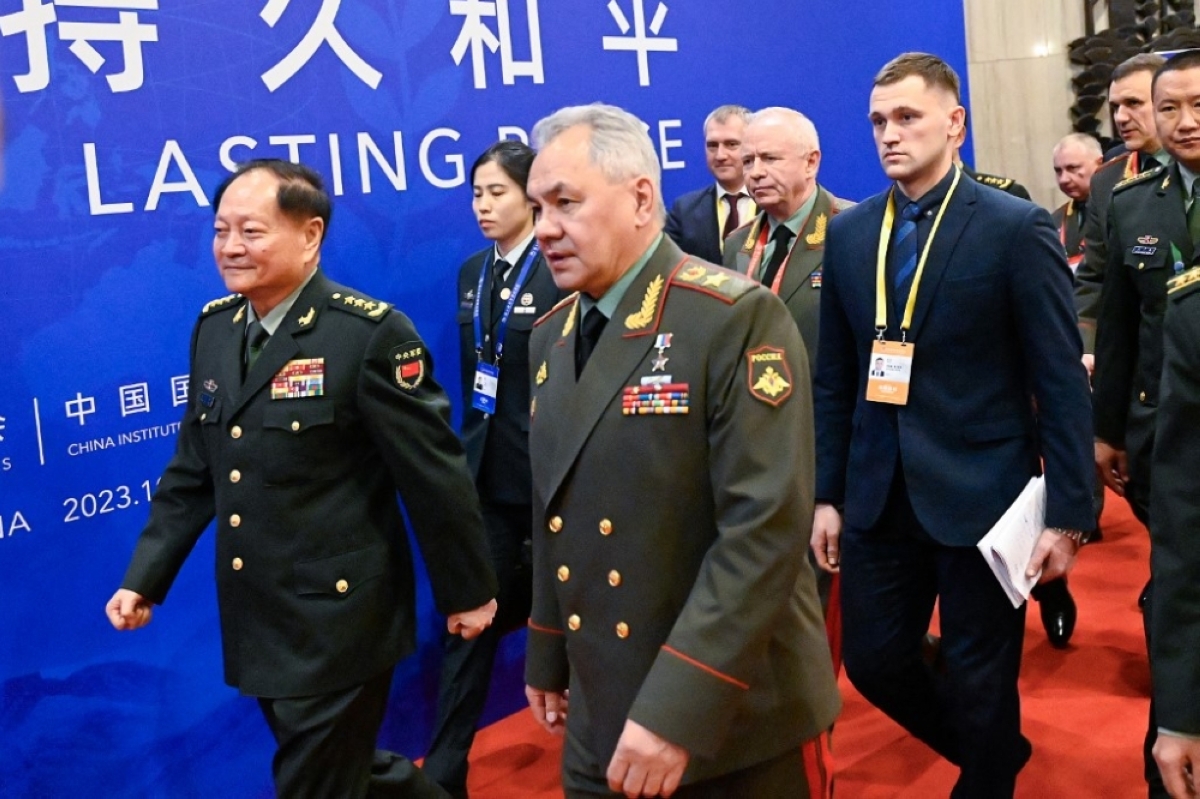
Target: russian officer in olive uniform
296,442
1175,550
672,477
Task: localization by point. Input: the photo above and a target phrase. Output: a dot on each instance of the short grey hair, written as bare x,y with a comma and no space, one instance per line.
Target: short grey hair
724,113
620,145
1085,140
805,130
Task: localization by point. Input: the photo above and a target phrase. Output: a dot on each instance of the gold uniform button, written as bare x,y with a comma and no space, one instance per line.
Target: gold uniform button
237,564
295,426
1142,396
614,578
235,521
556,524
622,630
235,432
573,621
564,574
235,476
1141,266
605,527
342,586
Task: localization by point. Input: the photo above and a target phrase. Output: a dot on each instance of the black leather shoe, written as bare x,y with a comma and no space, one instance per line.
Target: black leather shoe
1058,612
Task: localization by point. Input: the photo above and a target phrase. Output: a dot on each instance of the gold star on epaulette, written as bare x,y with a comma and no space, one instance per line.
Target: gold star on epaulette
218,303
715,279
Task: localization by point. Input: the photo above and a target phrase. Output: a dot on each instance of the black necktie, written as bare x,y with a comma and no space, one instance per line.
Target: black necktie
589,333
731,221
1146,163
781,237
256,339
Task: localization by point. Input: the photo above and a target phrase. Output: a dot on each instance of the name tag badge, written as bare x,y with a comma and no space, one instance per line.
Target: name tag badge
889,372
487,378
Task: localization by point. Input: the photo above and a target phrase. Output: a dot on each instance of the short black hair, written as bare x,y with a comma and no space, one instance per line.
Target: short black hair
513,156
301,194
1188,59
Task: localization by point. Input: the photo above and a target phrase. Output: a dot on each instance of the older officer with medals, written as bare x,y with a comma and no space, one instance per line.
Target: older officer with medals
310,407
965,294
502,290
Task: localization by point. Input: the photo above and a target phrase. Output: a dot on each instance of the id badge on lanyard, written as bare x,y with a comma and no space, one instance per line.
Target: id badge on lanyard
487,375
889,373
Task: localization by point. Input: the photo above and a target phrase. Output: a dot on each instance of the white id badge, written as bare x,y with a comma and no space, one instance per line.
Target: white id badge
487,377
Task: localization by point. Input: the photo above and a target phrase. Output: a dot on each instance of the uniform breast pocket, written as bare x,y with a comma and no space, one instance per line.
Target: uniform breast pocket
299,441
340,575
1147,270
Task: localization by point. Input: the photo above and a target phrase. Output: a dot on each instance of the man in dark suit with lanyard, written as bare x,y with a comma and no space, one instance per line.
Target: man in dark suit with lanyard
310,406
966,294
701,220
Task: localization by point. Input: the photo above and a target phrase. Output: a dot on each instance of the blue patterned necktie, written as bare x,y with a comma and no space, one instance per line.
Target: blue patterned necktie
904,246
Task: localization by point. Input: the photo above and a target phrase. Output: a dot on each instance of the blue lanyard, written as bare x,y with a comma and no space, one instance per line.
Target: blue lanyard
502,327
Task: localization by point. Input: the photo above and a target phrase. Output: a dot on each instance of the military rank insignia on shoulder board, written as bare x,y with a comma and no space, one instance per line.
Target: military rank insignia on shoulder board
1184,284
360,306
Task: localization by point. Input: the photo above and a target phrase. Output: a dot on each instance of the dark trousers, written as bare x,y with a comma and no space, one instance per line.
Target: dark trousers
781,777
467,665
326,747
1155,789
970,715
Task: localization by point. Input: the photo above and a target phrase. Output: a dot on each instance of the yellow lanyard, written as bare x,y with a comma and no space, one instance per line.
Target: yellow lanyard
885,238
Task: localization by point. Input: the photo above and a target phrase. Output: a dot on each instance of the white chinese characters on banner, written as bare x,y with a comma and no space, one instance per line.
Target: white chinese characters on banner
475,36
36,16
638,42
322,31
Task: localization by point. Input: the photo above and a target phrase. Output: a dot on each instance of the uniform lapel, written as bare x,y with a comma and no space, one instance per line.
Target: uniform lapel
958,213
626,340
1171,209
809,251
746,249
282,346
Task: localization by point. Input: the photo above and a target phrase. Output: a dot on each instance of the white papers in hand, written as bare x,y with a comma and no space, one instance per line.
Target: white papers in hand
1008,546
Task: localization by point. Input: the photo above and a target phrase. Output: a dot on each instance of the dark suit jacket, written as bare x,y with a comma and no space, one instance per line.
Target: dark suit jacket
498,445
314,572
670,583
692,224
993,330
1175,519
800,287
1146,216
1089,277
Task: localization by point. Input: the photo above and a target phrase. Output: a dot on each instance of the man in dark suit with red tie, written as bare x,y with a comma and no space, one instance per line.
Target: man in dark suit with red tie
966,291
701,220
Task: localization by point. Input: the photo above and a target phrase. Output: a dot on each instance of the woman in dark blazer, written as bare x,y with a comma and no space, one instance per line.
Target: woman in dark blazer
502,290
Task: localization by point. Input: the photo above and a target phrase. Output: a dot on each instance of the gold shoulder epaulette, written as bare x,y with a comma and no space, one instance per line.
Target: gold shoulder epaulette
358,305
994,180
716,281
1114,161
218,304
1181,285
563,303
1139,178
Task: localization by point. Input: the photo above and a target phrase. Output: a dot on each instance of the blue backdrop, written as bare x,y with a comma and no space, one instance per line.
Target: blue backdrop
122,115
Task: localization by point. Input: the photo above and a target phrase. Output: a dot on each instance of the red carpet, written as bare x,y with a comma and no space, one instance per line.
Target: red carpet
1084,708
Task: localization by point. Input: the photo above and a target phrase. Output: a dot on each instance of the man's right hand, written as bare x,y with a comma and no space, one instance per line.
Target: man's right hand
1089,363
128,610
826,537
1112,466
549,708
471,623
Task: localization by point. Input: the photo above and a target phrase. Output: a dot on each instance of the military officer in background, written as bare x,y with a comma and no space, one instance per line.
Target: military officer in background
1175,547
1153,233
782,246
1076,158
1133,118
672,453
310,406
